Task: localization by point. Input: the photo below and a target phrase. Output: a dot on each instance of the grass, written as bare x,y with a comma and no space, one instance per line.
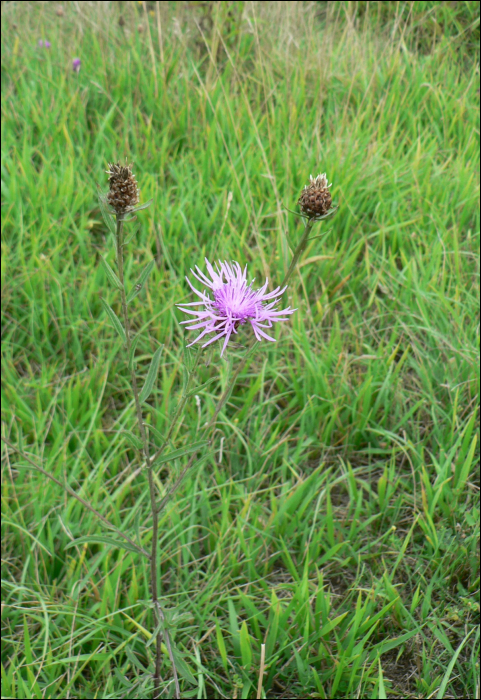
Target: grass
337,521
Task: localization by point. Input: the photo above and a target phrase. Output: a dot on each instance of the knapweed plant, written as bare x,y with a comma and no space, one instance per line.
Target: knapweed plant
225,302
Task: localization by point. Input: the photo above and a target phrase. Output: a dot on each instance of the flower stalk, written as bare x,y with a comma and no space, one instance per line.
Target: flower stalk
138,409
123,196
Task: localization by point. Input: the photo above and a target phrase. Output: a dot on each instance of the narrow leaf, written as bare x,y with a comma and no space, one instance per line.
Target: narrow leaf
133,439
114,320
122,679
154,634
140,207
332,624
181,452
134,233
221,644
202,386
107,216
245,644
447,675
134,660
141,281
185,379
181,665
101,539
155,432
111,274
151,376
133,347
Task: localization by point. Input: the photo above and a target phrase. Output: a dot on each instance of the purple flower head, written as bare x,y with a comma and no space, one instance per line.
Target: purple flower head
234,304
76,64
44,44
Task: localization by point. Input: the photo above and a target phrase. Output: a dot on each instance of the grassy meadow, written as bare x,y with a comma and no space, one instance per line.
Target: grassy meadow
336,520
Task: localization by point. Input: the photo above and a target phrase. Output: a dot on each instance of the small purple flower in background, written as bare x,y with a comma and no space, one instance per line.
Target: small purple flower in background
235,303
44,44
76,64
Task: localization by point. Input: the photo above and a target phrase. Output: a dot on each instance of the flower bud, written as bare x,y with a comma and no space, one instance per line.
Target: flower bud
124,192
316,199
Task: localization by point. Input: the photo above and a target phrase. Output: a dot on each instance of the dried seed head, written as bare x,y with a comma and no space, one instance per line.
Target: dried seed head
316,199
124,192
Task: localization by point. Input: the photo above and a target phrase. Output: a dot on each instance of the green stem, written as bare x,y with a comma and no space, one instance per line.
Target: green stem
178,410
155,517
301,246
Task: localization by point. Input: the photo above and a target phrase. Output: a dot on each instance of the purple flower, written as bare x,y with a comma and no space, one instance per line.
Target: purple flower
44,44
76,64
234,304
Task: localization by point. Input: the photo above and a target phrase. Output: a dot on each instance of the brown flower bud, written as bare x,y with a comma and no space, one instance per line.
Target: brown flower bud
316,199
124,192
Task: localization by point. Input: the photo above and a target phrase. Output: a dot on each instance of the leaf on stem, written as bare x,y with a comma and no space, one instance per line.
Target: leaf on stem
101,539
181,665
140,207
114,320
107,216
151,376
159,628
133,346
141,281
155,432
181,452
185,379
133,439
134,233
111,274
201,387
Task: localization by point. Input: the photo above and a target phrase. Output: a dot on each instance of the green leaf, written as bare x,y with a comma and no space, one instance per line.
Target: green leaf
155,432
133,347
202,386
221,644
151,376
114,320
158,629
382,689
111,274
122,679
181,665
181,452
332,624
134,233
107,216
134,660
245,645
101,539
141,281
140,207
133,439
331,552
447,675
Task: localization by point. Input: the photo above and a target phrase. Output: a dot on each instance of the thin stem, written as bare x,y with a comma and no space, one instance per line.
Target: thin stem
301,246
178,410
72,493
153,505
161,616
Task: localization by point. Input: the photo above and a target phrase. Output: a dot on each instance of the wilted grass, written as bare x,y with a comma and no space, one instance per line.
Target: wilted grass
338,521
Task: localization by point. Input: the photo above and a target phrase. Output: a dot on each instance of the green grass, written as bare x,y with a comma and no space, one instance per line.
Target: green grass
338,519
